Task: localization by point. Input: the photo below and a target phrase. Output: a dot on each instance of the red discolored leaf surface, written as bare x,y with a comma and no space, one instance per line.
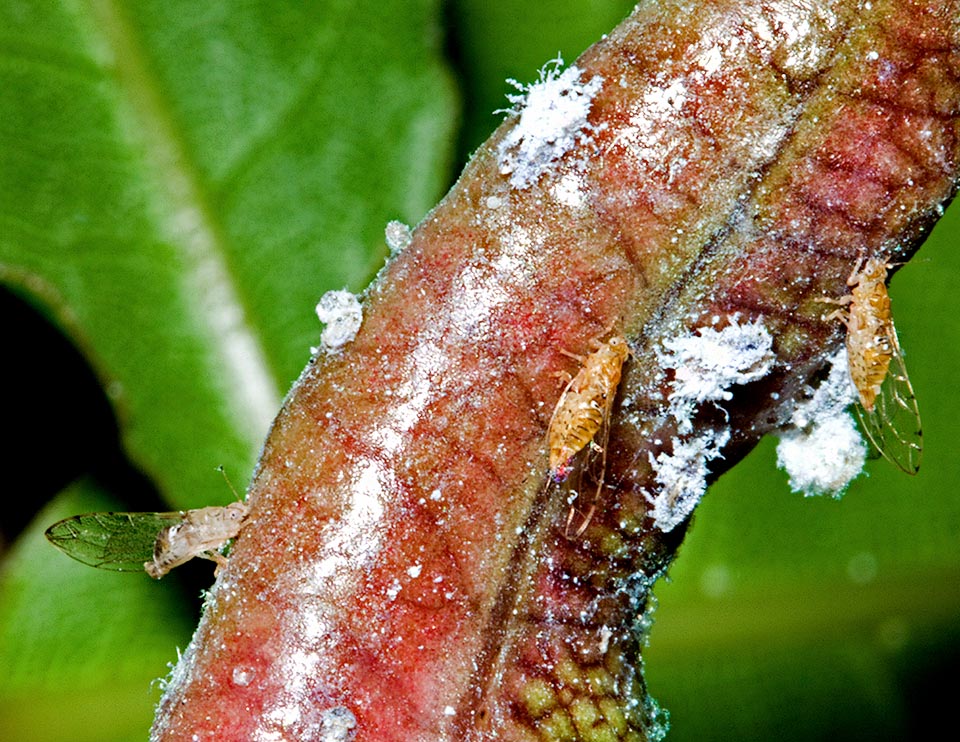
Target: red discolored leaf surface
405,572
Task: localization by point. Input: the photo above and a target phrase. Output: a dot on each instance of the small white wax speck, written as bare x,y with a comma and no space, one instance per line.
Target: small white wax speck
342,314
494,202
872,56
241,676
398,236
569,192
337,725
436,495
449,711
415,570
393,591
605,634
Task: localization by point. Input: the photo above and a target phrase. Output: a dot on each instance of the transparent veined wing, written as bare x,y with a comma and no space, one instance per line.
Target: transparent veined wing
579,429
117,541
584,487
893,425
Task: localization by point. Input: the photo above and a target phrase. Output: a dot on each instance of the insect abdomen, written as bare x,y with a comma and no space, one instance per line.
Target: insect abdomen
585,404
573,431
870,347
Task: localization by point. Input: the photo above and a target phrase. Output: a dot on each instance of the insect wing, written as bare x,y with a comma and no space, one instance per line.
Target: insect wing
584,486
117,541
893,425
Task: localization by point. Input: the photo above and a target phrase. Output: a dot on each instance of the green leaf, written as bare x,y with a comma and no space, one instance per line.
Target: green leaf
179,184
80,648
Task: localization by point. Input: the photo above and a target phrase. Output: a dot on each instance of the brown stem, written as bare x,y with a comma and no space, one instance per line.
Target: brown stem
404,574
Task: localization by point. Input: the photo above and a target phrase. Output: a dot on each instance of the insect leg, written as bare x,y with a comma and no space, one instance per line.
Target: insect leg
215,556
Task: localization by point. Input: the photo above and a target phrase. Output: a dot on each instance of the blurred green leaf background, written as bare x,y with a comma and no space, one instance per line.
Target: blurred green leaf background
180,183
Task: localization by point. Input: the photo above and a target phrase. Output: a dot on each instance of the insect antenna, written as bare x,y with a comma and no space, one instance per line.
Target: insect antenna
223,472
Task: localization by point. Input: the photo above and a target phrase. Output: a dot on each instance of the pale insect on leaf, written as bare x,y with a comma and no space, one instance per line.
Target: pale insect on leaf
888,411
154,542
579,429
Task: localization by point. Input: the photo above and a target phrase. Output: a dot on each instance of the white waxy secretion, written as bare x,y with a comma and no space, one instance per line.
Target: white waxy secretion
342,314
552,121
706,364
398,236
821,451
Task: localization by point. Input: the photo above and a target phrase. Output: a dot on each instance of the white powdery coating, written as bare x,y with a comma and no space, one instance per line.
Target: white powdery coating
357,537
342,314
682,476
823,451
831,398
825,459
553,117
706,365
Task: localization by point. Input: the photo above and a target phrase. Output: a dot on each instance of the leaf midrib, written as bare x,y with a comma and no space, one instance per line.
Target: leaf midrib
185,220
